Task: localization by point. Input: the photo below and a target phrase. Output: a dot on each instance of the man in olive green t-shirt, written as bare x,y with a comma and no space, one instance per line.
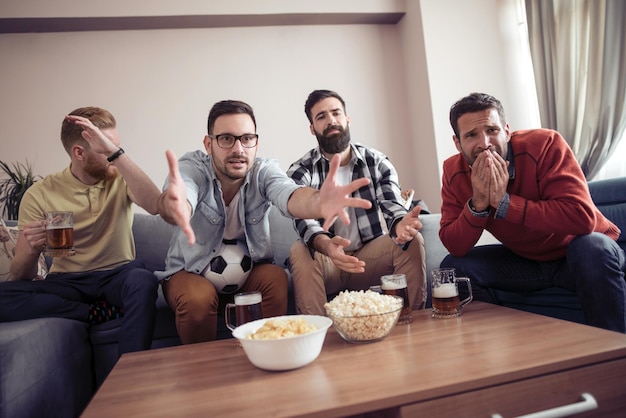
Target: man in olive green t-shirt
102,280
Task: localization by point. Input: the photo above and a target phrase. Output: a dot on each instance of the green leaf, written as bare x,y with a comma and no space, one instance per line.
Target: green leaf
16,179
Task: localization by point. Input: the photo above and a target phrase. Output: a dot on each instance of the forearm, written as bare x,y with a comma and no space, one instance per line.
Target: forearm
163,210
320,243
304,203
569,215
24,264
143,191
460,229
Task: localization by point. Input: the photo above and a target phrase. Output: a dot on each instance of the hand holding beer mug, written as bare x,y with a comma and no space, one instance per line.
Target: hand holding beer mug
395,284
59,234
247,308
445,293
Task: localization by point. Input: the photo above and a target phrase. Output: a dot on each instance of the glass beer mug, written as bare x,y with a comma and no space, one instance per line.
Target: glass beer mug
445,293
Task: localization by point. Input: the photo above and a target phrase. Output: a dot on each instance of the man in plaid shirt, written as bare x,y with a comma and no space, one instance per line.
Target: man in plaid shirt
353,256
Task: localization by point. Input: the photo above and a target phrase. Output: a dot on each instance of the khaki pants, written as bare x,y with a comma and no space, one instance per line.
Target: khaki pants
315,278
196,303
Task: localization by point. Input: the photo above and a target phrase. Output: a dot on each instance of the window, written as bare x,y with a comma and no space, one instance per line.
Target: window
615,166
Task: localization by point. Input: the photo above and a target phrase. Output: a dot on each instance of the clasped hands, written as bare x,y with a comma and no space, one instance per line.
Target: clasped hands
490,178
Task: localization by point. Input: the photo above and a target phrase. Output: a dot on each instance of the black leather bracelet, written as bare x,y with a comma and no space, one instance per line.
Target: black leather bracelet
117,154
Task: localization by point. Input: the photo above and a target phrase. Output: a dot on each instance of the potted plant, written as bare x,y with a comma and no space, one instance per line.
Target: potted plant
18,177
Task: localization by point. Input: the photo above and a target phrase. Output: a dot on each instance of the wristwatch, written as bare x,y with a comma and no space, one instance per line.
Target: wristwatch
474,211
117,154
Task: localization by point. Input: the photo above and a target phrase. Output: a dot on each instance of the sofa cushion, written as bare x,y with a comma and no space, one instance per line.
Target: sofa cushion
553,301
435,251
46,368
283,235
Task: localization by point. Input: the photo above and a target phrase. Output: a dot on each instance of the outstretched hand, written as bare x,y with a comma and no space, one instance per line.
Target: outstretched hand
343,261
334,198
174,206
409,226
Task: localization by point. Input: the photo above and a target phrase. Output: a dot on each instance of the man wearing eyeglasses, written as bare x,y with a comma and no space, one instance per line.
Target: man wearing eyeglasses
224,195
353,256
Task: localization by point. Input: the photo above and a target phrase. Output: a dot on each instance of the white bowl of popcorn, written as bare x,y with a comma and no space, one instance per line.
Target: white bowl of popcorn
364,317
283,342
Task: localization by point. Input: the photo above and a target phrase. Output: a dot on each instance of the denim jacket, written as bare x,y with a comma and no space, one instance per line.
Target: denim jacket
266,184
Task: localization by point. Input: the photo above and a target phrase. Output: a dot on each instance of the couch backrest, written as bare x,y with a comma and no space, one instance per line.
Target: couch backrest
152,240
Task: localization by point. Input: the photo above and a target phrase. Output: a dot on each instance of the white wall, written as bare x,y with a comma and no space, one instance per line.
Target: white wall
398,80
161,84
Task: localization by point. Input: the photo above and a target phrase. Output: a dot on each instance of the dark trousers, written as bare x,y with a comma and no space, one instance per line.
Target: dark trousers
595,268
68,295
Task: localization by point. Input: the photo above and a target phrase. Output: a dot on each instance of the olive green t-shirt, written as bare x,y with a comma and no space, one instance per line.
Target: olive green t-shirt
103,216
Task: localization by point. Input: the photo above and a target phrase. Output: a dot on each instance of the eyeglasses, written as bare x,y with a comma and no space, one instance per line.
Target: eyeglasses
228,140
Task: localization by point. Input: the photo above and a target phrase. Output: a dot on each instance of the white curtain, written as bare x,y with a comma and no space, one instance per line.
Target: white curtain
578,49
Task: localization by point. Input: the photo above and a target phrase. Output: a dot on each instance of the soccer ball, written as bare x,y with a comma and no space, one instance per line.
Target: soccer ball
230,268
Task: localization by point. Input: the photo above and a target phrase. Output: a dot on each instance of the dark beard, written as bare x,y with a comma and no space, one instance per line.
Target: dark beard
335,143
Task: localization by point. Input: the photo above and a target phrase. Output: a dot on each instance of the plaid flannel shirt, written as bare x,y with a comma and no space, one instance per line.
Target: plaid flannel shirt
383,191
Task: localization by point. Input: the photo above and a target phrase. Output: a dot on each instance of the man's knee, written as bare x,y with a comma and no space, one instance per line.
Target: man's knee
139,287
189,293
449,261
268,278
596,248
197,301
415,248
144,280
297,252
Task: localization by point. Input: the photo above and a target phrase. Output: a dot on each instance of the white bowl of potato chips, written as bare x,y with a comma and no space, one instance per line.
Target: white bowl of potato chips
283,342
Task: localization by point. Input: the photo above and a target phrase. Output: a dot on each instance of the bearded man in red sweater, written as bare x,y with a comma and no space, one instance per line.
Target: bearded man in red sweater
527,189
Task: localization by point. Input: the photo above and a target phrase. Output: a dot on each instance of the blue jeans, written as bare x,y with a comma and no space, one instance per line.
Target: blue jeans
68,295
594,268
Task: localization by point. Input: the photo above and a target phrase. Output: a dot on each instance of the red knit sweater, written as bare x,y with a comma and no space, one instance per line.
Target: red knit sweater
550,202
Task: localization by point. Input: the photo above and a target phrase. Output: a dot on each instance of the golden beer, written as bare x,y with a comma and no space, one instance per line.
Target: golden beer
446,301
395,285
59,234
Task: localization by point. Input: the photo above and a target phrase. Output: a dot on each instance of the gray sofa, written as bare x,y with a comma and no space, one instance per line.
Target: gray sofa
51,367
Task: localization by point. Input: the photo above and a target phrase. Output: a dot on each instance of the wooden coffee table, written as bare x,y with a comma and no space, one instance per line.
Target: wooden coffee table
493,361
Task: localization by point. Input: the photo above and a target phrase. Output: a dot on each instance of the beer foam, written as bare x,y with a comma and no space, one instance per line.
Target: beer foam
392,286
445,290
248,299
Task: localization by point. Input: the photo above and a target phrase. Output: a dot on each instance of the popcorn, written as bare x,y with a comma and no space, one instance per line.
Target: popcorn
363,316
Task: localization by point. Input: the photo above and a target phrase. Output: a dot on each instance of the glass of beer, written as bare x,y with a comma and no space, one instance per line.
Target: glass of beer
445,293
395,284
247,308
59,234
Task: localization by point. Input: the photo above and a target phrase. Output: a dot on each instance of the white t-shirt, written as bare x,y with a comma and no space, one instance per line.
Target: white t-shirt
350,231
